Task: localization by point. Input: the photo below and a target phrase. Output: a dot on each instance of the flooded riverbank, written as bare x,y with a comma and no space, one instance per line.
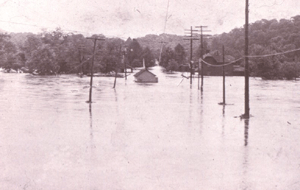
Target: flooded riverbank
147,136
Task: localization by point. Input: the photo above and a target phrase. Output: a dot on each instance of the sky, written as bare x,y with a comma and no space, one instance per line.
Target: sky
137,18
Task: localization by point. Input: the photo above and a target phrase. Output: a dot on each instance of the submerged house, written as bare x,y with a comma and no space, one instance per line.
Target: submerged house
215,58
145,76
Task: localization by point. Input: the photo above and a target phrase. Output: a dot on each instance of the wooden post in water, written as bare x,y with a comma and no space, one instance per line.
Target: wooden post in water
124,62
199,64
201,39
247,108
223,76
191,58
92,68
202,48
116,69
116,74
191,53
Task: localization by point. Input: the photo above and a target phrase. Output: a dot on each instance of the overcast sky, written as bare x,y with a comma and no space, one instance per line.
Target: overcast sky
136,18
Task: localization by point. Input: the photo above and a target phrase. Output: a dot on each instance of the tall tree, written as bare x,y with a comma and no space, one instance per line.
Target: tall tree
166,56
179,54
134,51
8,54
148,57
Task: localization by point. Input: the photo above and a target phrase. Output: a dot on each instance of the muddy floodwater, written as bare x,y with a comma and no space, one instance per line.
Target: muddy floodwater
147,136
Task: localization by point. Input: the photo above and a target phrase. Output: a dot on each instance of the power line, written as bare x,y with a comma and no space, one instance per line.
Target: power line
250,56
166,19
221,65
274,54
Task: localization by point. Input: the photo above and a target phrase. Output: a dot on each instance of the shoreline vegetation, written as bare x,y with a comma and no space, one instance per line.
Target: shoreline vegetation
56,52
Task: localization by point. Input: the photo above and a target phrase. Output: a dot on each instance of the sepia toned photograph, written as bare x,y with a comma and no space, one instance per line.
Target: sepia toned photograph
149,95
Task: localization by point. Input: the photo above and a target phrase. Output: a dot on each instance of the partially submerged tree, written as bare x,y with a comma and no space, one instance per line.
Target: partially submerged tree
172,65
11,56
134,51
179,54
44,61
147,56
166,56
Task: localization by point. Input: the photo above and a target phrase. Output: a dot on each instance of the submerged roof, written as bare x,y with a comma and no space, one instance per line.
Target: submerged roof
219,57
141,72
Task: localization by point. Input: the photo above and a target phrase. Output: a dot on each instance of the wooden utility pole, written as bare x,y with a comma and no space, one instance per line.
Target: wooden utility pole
191,38
116,72
223,75
202,47
124,62
92,67
191,57
247,108
161,48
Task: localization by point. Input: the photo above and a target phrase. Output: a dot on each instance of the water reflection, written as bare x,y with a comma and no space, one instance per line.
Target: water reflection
201,109
245,184
92,147
246,121
118,135
131,120
91,121
190,123
223,119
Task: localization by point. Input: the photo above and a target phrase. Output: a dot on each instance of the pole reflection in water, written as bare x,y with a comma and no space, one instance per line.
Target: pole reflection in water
91,147
223,120
246,131
91,121
92,144
201,109
245,184
190,112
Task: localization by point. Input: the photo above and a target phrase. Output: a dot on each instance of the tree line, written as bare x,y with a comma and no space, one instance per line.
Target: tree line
56,53
266,37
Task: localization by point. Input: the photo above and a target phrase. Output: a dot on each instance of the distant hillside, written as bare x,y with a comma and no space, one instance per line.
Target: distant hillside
155,42
274,35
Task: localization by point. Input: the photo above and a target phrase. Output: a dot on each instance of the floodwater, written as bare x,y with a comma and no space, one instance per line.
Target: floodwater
147,136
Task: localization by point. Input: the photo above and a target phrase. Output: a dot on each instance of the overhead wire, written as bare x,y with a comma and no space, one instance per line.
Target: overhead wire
250,56
221,65
165,26
274,54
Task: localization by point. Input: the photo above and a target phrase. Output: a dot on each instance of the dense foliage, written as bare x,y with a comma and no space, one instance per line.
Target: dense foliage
266,37
56,52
